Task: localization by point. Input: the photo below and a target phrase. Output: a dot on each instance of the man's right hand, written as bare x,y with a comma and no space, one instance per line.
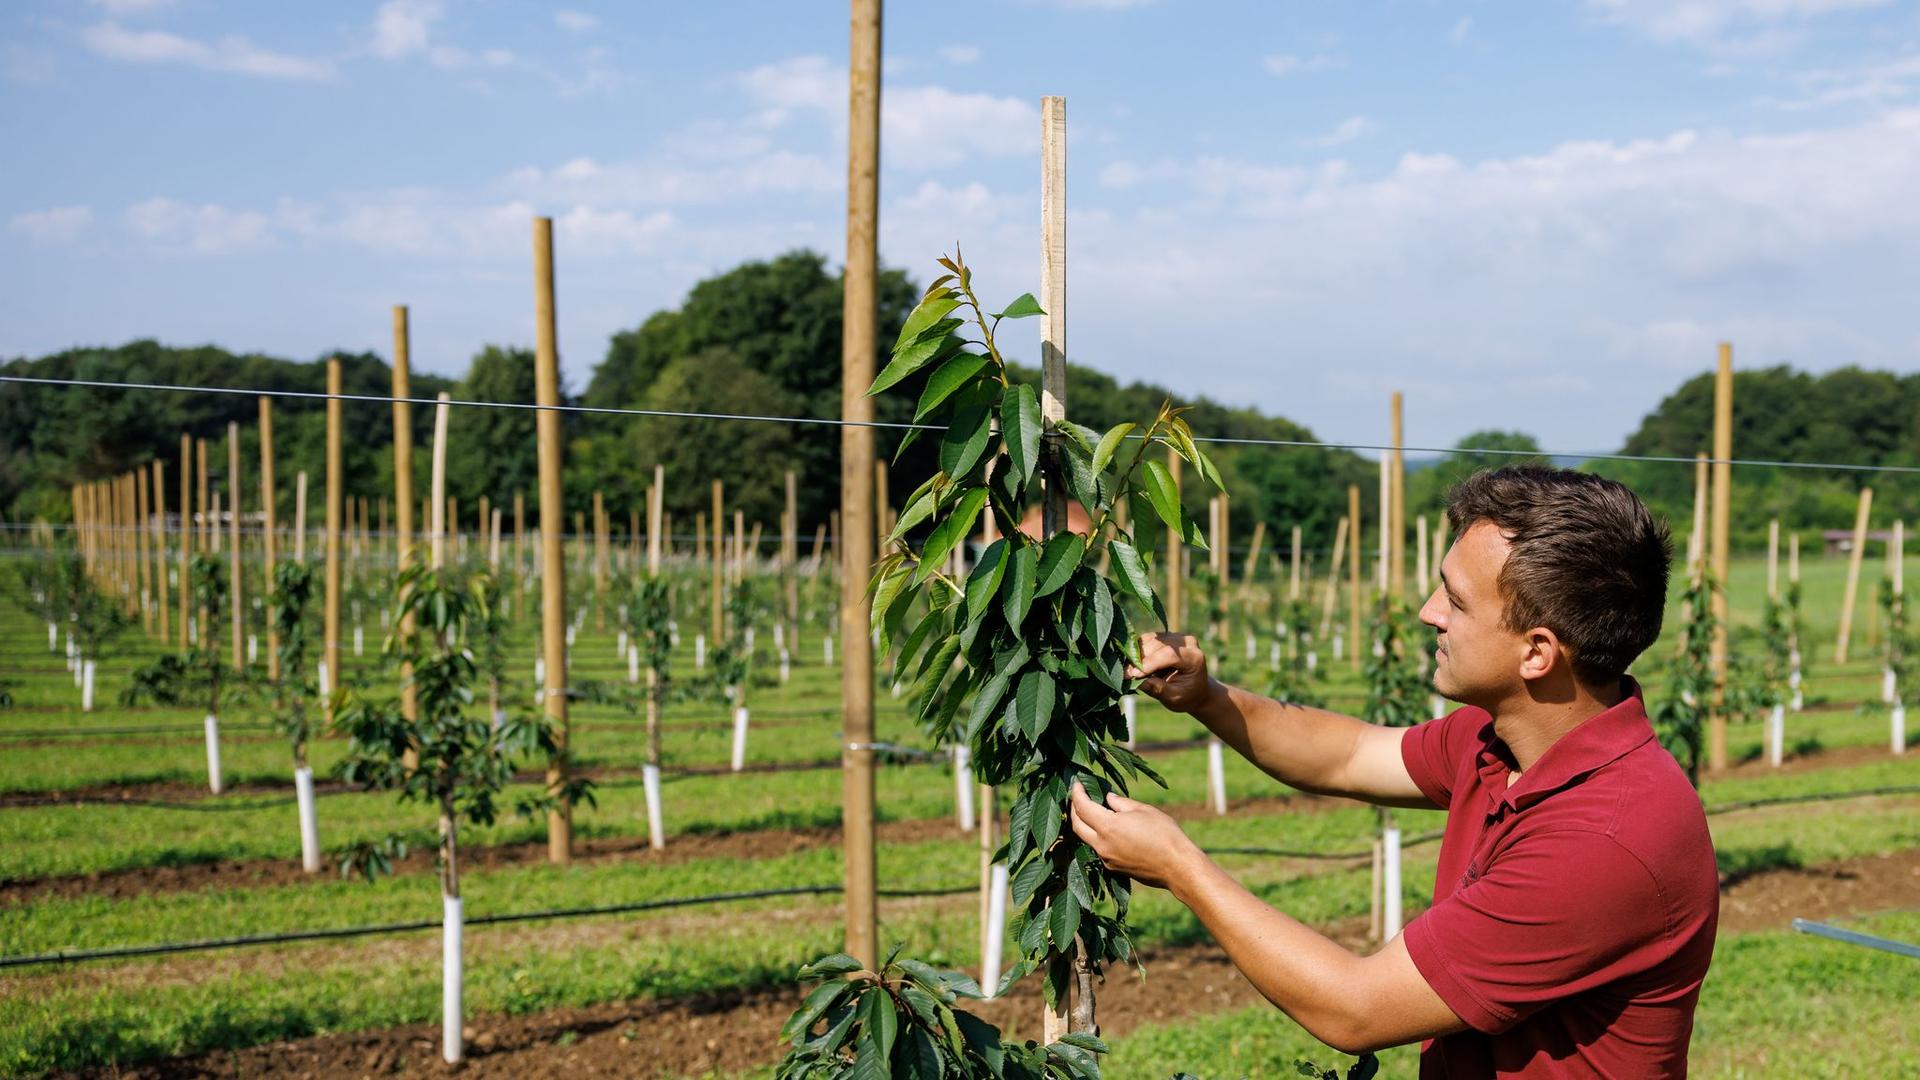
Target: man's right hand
1173,671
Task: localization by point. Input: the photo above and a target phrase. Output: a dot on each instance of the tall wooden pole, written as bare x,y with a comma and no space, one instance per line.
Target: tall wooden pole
1853,575
143,528
1353,577
270,541
789,558
1773,560
718,565
209,535
656,501
1332,599
187,536
403,498
160,549
553,524
336,481
599,560
1722,507
1397,502
855,541
235,602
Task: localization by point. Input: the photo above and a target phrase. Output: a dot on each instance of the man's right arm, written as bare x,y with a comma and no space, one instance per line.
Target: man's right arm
1311,749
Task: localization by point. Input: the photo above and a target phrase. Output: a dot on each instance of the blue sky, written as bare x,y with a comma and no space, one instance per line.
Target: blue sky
1525,215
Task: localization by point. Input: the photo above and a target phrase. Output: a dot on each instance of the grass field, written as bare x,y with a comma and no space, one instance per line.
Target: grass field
118,797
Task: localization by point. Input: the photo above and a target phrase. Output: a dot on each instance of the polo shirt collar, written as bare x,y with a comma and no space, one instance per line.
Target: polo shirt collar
1599,741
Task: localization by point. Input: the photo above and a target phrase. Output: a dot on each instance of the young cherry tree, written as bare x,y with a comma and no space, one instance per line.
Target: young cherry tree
294,694
450,756
1397,695
200,673
1024,661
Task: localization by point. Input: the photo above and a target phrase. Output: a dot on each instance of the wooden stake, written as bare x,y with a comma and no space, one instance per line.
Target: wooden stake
1332,600
1293,567
1722,508
270,541
1353,576
1853,575
142,526
438,481
235,601
1397,519
209,536
160,547
1420,555
599,560
553,572
336,481
656,501
519,531
1773,560
717,569
855,543
300,516
789,556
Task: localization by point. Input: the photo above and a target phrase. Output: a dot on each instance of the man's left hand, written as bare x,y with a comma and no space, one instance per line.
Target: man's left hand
1132,838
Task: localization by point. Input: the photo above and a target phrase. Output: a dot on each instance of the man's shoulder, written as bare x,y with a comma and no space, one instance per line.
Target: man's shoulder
1643,804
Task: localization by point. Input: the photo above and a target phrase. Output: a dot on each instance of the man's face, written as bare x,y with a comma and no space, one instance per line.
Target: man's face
1476,660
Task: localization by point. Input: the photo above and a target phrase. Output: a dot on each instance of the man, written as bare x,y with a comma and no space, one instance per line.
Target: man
1576,896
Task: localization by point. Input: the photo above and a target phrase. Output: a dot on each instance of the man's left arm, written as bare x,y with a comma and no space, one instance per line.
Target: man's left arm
1352,1003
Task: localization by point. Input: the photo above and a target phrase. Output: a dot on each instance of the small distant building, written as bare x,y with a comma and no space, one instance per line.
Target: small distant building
1840,541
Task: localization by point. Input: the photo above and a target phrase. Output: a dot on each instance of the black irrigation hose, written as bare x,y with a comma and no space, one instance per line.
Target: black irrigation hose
169,948
86,732
1816,796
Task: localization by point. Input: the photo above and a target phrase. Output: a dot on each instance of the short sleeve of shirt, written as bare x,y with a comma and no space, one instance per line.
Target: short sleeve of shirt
1557,914
1435,752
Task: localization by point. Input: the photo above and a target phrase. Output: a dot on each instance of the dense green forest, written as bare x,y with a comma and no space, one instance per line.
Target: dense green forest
764,339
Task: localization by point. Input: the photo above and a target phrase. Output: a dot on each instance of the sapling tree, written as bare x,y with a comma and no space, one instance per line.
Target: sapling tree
1397,696
449,756
1294,681
1679,718
294,694
202,672
94,620
1898,664
1024,661
649,613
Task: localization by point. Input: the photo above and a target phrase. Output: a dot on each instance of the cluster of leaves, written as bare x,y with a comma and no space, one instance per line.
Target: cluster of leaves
901,1022
1776,657
201,672
1679,718
1397,686
447,756
1024,661
732,661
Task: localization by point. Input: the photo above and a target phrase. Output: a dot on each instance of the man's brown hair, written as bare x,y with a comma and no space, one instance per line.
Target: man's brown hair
1588,561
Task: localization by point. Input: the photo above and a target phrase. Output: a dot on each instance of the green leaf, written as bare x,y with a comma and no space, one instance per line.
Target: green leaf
887,590
1017,598
950,531
1026,880
811,1010
1110,442
1023,306
1020,425
878,1022
1047,818
1131,570
919,1056
1164,494
984,581
1033,704
966,439
988,698
920,507
937,305
1100,609
835,964
983,1039
1085,1040
950,376
938,343
1058,562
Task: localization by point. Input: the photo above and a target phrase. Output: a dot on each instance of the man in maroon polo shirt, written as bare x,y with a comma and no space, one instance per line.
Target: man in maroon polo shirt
1576,896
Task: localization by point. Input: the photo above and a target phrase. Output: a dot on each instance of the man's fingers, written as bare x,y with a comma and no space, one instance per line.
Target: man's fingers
1153,688
1117,801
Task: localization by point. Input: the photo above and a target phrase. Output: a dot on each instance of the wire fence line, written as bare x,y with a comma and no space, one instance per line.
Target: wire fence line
605,410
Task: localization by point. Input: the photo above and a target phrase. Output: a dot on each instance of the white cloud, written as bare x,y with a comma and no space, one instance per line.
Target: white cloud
232,54
1346,131
1872,83
403,27
56,227
577,22
206,229
125,8
1739,26
960,54
1284,64
591,232
1458,35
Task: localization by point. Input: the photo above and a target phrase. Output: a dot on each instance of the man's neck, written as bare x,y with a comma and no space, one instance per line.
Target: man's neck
1530,724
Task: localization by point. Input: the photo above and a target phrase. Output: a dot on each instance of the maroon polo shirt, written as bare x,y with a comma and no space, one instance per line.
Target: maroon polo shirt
1573,913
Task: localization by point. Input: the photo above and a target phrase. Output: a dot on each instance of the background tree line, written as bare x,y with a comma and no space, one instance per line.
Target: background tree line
763,339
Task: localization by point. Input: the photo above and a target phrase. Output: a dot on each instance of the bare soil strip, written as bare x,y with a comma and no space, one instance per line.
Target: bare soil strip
733,1032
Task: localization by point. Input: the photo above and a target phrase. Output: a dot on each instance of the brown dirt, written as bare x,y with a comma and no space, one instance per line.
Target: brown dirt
734,1032
1838,757
746,844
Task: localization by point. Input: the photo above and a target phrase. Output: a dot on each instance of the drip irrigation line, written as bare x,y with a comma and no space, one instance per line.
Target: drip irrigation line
1816,796
81,733
71,956
1330,856
1312,444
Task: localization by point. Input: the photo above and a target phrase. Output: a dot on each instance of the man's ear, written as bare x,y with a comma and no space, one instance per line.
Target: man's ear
1543,654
